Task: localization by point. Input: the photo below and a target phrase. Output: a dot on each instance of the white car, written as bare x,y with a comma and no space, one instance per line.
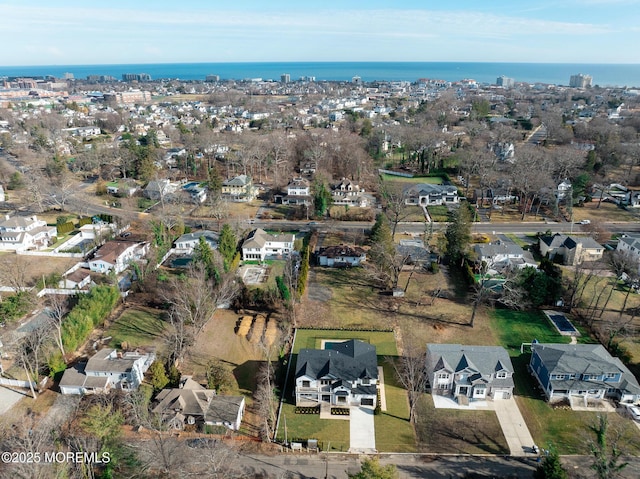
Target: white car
584,222
635,412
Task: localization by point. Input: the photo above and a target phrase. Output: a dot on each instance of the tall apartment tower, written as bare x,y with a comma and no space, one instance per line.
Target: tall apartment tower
285,78
580,81
505,82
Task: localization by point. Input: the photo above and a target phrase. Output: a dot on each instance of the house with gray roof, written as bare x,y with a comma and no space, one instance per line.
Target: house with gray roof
501,255
630,243
424,194
107,369
581,372
192,404
469,372
188,241
343,373
573,249
341,256
22,233
239,188
261,245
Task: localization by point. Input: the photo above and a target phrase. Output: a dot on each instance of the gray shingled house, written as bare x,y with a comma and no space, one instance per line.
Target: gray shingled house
344,373
573,249
469,372
581,372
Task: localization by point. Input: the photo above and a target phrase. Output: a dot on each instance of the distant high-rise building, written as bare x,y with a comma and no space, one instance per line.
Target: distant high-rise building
67,76
136,77
212,78
285,78
580,81
356,79
505,82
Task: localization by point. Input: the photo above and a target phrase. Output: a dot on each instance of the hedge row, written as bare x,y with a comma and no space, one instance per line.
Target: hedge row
64,228
307,410
340,411
90,312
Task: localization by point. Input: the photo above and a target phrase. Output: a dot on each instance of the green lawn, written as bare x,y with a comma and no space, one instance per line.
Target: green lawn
137,327
332,434
384,341
433,180
394,433
513,328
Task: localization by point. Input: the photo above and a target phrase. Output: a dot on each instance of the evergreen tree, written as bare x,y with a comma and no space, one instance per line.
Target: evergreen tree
321,199
371,469
157,376
550,468
458,234
203,254
227,245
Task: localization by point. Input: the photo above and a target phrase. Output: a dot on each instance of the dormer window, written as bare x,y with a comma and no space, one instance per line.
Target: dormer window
366,381
501,375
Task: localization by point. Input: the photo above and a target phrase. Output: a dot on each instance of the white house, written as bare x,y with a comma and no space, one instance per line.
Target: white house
22,233
348,193
424,194
564,188
240,188
344,373
503,255
341,256
298,192
117,255
2,196
261,245
160,189
630,243
107,369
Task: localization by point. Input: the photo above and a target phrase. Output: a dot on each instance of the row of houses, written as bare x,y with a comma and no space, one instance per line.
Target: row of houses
345,373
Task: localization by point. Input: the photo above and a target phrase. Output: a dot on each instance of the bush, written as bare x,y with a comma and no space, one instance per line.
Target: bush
307,410
340,411
434,267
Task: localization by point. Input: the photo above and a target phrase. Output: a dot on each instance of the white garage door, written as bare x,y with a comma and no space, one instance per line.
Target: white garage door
501,395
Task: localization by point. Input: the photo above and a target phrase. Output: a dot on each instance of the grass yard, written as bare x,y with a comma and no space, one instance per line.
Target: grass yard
439,213
432,180
384,342
394,433
458,431
138,327
332,434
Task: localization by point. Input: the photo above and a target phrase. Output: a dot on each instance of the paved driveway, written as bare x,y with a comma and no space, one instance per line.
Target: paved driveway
514,428
8,397
363,433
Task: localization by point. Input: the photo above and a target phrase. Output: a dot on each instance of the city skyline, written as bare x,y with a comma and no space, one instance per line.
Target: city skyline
578,31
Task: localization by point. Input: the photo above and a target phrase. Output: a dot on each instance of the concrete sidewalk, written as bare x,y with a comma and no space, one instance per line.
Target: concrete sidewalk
362,431
514,428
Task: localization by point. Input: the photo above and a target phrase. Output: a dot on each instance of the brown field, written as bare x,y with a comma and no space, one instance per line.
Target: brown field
32,268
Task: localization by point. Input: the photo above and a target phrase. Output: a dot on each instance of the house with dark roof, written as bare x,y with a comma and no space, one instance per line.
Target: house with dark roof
343,373
424,194
502,255
192,404
469,372
580,372
341,256
261,245
348,193
573,249
107,369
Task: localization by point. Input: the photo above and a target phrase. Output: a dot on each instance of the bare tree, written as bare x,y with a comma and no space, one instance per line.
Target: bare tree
58,305
410,370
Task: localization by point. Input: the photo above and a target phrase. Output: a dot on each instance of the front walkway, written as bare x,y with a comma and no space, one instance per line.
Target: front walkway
362,431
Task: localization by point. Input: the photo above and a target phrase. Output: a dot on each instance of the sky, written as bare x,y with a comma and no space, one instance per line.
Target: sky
74,32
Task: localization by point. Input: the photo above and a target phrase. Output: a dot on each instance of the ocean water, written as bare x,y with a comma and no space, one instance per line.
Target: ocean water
549,73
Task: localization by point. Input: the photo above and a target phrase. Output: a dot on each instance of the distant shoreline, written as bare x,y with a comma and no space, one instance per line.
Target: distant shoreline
606,75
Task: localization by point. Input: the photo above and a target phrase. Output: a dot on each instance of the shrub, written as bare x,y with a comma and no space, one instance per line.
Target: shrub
307,410
340,411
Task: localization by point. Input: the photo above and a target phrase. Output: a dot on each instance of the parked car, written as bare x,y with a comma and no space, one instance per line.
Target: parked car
635,412
584,222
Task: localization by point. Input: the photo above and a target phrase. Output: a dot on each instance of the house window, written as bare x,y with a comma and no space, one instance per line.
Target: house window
559,376
366,381
443,376
325,382
611,375
306,384
501,375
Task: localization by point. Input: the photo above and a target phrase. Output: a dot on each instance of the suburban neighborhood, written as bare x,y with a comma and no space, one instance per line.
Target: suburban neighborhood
196,276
